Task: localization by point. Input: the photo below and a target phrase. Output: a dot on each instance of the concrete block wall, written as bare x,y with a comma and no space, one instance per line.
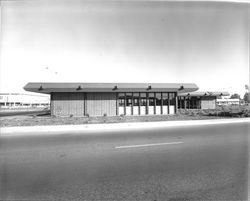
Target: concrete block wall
98,104
67,104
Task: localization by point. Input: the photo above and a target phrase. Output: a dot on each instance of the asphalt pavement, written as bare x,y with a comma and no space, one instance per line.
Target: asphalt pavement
208,162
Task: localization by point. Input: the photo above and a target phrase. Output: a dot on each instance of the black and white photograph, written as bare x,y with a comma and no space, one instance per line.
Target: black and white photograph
124,100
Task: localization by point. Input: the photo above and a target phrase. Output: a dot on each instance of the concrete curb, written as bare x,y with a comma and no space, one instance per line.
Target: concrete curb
62,129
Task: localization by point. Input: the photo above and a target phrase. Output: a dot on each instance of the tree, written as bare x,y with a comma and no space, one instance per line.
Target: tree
247,97
235,96
246,87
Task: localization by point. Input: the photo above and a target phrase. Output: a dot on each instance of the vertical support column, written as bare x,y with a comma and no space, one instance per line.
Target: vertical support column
117,104
161,104
176,103
84,104
139,112
168,104
51,104
132,108
125,103
185,102
154,103
147,104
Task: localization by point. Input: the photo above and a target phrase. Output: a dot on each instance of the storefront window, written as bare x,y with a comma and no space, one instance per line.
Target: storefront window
128,99
136,99
165,98
172,98
143,99
151,99
181,103
158,99
188,102
194,103
121,99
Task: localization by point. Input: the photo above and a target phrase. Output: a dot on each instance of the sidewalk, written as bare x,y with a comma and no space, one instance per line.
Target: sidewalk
62,129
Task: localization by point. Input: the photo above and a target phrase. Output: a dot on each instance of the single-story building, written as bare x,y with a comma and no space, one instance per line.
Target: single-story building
98,99
199,100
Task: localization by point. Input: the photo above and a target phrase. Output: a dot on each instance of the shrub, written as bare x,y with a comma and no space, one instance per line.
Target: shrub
181,111
246,113
71,115
121,117
192,113
105,114
87,115
202,113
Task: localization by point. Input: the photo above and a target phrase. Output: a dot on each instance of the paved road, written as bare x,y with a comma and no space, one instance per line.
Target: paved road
202,163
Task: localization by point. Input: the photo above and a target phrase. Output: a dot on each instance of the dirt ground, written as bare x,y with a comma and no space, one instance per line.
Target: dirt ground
30,120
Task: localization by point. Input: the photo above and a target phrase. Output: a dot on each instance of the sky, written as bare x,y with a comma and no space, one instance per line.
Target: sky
206,43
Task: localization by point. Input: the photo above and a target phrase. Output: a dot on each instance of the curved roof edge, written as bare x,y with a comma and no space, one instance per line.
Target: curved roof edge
48,87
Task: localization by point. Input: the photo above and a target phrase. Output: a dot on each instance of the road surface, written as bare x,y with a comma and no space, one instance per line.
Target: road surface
174,164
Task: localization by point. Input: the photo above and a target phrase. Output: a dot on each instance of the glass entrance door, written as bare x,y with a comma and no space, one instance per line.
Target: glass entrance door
135,103
157,103
164,103
121,103
128,103
143,103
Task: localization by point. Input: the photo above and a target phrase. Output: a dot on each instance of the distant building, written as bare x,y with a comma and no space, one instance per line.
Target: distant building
21,100
228,101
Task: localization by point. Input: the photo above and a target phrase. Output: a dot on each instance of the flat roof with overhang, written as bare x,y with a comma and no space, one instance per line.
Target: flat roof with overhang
205,93
47,88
